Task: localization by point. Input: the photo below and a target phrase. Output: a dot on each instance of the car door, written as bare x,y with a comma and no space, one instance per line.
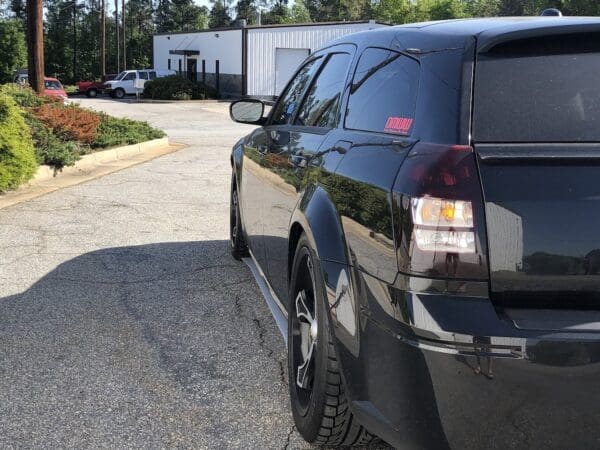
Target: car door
128,82
258,169
291,158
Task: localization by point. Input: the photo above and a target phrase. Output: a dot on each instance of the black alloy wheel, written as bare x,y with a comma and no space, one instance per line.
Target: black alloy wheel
319,404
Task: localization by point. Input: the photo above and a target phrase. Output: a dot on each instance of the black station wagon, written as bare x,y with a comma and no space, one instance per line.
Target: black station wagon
421,209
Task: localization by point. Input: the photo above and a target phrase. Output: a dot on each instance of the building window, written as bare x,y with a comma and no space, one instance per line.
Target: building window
169,64
180,65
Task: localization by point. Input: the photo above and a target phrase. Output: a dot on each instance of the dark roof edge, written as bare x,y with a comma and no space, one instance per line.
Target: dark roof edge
280,25
488,39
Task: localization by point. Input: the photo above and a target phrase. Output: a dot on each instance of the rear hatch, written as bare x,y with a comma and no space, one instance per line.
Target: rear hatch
536,131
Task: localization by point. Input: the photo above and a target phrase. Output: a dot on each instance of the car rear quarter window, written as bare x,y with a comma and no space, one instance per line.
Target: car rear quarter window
320,107
290,100
539,90
383,94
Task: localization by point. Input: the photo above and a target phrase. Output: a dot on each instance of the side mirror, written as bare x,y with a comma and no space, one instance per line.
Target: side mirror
247,111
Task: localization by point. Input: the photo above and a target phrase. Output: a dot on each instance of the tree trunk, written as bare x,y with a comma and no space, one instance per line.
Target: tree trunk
35,45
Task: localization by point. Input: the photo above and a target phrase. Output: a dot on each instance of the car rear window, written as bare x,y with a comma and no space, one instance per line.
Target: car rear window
383,94
539,90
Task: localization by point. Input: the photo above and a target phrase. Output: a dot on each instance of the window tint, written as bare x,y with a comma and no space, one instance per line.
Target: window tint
152,75
539,90
130,76
383,94
292,96
320,107
143,75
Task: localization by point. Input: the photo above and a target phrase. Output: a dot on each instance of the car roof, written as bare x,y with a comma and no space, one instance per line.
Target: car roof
428,36
51,79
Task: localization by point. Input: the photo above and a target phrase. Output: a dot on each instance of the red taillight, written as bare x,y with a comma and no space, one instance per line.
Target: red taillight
438,204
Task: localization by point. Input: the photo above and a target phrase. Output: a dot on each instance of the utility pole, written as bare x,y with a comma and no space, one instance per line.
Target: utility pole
118,39
103,40
124,38
35,45
75,21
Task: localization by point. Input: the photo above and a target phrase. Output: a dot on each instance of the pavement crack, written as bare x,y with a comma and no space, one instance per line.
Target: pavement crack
289,437
262,342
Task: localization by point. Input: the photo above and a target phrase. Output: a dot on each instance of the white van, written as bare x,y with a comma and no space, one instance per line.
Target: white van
132,81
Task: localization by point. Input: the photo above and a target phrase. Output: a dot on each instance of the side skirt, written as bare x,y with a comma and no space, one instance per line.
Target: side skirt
277,309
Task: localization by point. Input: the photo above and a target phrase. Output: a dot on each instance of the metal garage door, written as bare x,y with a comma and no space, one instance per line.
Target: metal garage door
287,61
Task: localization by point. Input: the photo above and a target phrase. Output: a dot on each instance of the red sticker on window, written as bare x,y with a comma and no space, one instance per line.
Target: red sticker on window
398,125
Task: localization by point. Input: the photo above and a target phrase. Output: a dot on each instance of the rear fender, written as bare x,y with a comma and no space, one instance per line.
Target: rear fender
318,218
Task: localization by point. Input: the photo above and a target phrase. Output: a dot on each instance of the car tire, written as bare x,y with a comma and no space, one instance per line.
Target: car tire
92,93
318,397
238,246
119,93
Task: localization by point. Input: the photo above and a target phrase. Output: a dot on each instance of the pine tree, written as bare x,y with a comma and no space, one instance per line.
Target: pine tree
219,14
246,9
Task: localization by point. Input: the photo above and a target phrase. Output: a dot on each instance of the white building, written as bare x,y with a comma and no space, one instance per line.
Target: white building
254,61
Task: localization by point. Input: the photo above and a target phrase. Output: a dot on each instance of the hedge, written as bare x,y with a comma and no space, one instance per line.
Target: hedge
17,156
175,87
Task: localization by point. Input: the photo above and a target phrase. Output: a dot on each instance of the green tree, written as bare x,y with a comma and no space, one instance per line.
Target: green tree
17,7
446,9
246,9
299,13
187,16
219,14
393,11
140,28
163,18
334,10
481,8
278,13
13,51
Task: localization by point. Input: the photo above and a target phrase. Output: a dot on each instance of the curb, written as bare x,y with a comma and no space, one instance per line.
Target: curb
90,161
89,167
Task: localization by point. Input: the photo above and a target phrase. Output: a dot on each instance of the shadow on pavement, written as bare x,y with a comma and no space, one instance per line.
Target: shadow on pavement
144,346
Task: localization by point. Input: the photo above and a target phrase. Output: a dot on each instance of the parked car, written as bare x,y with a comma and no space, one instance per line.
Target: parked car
54,88
92,88
125,82
420,207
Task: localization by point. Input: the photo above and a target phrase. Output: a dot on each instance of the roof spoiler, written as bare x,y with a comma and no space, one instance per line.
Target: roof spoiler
490,39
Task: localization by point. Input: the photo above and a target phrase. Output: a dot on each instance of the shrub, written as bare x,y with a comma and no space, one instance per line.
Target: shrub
24,96
17,157
69,123
49,149
175,87
114,131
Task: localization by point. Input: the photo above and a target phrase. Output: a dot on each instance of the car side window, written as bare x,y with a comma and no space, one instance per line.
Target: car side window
130,76
292,96
143,75
321,104
152,75
383,94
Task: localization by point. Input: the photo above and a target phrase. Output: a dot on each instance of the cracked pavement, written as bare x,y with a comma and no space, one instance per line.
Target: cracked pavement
124,322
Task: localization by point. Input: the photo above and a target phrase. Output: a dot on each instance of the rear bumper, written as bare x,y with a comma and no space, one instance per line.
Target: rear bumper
429,383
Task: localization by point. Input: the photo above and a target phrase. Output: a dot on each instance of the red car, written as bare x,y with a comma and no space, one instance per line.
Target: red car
93,88
54,88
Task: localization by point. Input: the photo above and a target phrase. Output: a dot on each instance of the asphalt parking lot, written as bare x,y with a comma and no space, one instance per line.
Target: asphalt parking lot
124,322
